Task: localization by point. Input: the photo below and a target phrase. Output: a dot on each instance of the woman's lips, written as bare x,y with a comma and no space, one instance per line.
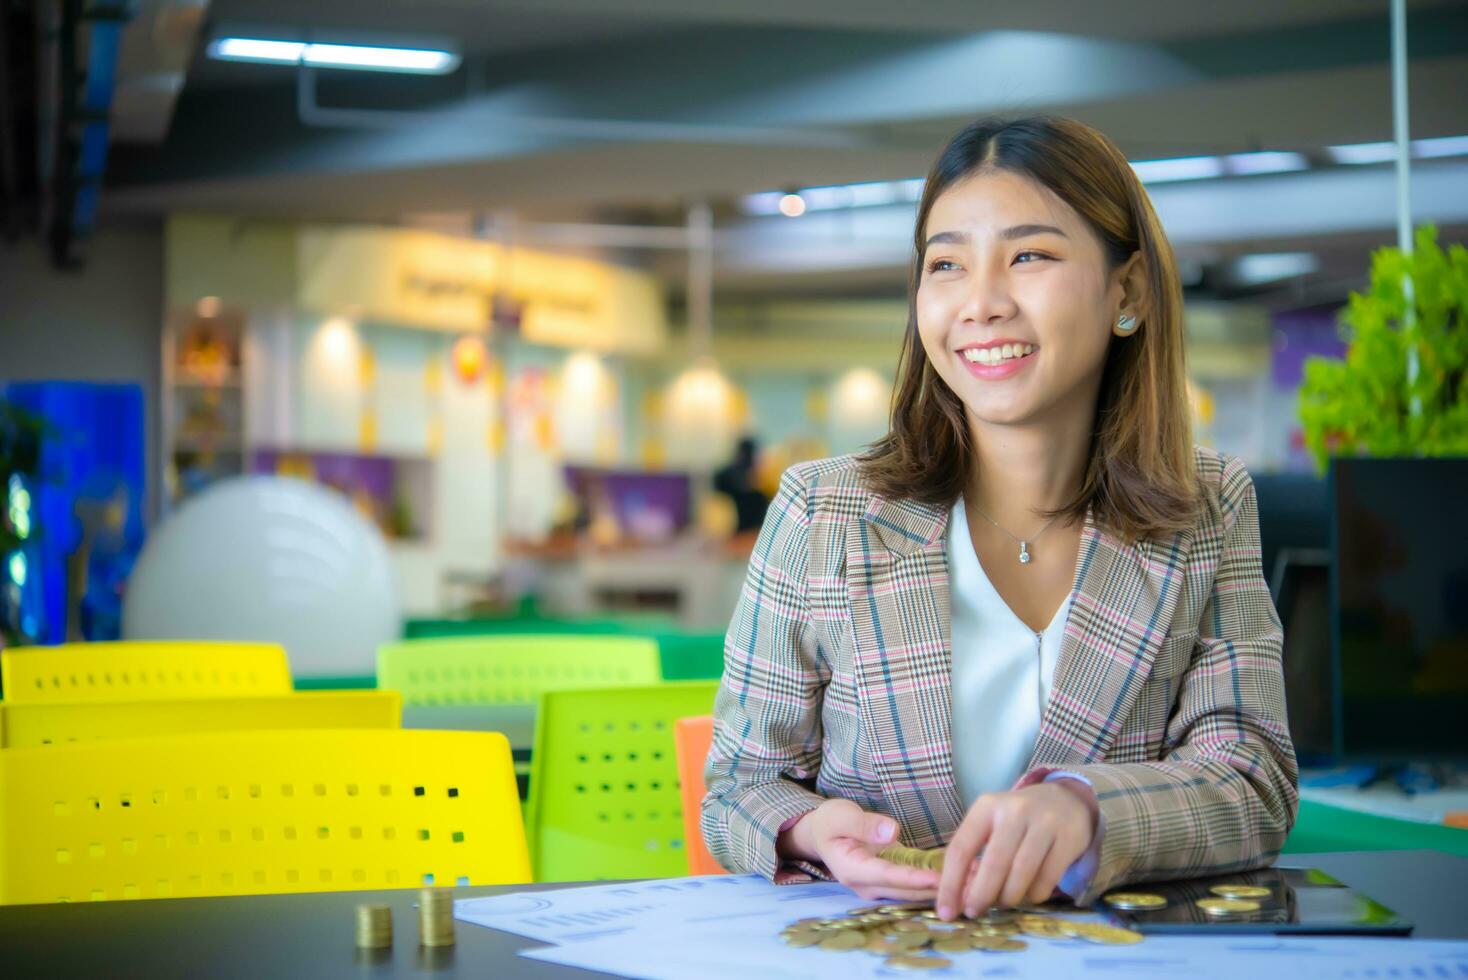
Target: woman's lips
997,372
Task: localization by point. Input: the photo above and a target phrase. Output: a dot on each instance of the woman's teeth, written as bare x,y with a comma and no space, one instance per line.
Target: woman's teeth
994,355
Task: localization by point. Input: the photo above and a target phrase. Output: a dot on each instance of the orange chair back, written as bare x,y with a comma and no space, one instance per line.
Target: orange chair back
691,740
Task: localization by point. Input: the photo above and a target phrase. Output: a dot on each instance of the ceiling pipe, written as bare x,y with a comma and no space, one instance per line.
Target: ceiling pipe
312,113
1404,190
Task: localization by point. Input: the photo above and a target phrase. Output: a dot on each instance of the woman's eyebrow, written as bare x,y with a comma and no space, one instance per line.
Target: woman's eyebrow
1008,234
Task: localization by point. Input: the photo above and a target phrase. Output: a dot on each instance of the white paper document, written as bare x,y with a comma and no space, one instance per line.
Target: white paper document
727,926
569,915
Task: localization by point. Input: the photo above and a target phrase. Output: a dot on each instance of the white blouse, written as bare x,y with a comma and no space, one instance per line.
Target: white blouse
1002,672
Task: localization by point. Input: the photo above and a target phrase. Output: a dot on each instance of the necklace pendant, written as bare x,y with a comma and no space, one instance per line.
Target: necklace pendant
1024,552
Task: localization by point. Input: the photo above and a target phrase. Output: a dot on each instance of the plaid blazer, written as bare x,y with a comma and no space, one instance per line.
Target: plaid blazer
1168,694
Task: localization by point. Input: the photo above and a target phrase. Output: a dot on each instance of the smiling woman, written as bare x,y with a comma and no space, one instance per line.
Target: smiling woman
1044,217
1030,624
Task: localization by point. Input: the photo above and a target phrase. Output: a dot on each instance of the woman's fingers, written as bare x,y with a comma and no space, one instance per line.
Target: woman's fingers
1049,875
999,852
971,836
1038,844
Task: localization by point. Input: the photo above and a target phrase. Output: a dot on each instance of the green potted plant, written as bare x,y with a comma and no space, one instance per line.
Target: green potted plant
1363,405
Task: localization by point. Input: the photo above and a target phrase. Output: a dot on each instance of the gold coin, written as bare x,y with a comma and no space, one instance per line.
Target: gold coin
1007,946
844,941
1241,891
869,909
1107,935
1136,900
919,963
1044,929
952,944
800,940
905,907
909,941
1226,906
908,925
998,929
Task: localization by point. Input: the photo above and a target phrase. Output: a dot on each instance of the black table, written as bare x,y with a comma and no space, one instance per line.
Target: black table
311,935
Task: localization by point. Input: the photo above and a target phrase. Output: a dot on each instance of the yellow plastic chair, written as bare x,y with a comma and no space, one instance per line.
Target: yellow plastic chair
131,670
605,797
512,669
26,725
240,813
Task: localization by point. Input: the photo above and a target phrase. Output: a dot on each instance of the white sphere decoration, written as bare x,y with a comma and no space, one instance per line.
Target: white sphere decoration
268,559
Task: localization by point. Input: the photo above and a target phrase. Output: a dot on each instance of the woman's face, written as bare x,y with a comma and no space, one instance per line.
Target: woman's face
1014,307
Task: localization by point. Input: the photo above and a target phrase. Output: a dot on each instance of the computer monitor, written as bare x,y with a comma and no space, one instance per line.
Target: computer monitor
1294,535
1399,605
1301,588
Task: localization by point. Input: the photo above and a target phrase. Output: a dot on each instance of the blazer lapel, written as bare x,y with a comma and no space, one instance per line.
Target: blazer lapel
1125,595
897,579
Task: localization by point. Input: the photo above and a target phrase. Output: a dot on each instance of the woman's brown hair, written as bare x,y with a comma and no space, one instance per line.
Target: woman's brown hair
1142,477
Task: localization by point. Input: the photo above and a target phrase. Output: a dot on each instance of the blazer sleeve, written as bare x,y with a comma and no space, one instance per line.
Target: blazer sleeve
766,747
1226,792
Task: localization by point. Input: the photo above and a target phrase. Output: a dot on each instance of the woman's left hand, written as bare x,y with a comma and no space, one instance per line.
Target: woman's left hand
1028,836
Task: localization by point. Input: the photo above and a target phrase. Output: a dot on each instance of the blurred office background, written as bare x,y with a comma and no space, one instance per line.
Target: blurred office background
548,305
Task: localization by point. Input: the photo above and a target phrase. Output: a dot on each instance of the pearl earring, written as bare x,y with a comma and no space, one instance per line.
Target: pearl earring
1126,324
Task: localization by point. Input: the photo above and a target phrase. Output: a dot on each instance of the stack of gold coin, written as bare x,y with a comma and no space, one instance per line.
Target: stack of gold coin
436,917
1241,891
913,857
374,926
1136,901
910,936
1227,906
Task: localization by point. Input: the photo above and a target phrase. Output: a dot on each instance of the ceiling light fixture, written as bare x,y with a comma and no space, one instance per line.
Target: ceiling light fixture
1178,168
869,193
1265,162
1385,152
361,57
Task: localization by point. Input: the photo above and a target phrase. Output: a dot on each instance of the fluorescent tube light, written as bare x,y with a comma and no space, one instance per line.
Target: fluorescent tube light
255,49
1445,146
1266,162
420,61
1262,267
1355,153
1178,168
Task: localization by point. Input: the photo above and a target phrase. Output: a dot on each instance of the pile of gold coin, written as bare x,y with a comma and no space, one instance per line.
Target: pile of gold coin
374,926
436,917
1234,899
912,937
913,857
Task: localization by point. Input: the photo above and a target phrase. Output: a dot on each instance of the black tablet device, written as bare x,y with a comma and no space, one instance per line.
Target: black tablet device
1277,900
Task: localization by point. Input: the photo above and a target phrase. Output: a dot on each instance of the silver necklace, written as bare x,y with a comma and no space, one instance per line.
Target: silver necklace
1024,546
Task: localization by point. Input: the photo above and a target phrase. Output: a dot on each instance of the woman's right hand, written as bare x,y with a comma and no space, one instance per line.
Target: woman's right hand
846,839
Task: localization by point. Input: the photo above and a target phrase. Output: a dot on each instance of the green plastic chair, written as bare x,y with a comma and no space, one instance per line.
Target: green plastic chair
631,625
1322,827
604,790
511,669
691,656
